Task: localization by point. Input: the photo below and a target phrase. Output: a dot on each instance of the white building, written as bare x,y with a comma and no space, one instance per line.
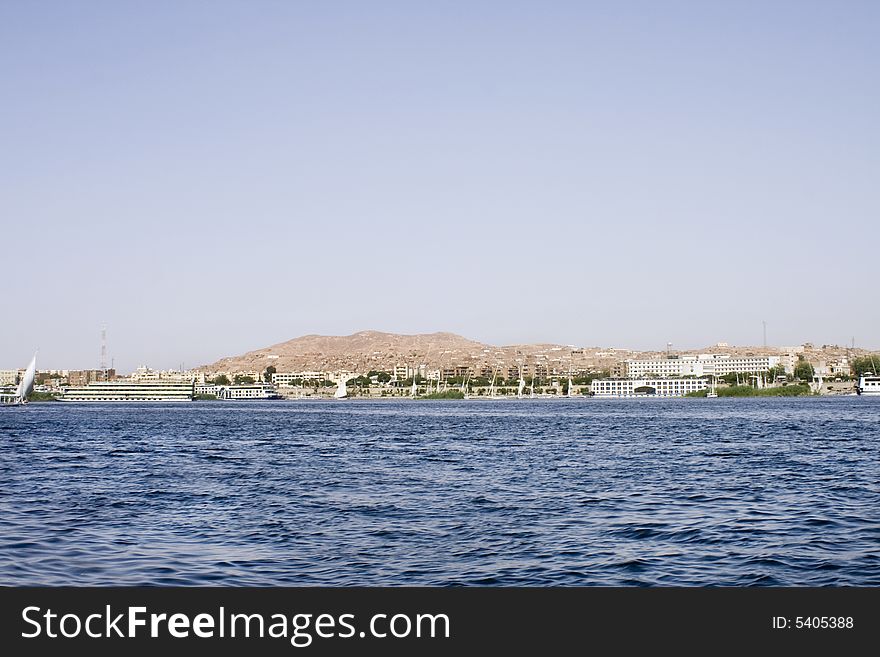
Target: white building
742,364
8,377
288,379
646,387
839,367
402,372
144,373
704,365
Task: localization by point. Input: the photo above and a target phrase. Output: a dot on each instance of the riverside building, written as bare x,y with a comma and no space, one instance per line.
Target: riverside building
702,365
85,377
289,379
8,377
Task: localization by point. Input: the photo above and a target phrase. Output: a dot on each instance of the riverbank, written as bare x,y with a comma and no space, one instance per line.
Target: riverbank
446,394
798,390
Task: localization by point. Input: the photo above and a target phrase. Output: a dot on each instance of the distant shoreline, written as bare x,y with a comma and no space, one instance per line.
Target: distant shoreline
324,400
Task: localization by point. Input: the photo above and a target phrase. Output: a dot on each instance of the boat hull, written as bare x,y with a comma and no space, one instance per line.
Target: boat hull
120,401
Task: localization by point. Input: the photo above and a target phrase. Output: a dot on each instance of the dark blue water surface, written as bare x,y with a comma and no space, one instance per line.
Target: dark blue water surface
561,492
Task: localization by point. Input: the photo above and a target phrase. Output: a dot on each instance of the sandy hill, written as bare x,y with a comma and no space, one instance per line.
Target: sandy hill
362,351
375,350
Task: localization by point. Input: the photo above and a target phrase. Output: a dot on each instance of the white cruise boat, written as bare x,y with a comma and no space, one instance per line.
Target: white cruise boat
869,385
257,391
130,391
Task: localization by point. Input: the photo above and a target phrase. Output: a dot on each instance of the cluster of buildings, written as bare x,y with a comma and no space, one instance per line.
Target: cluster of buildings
57,379
615,373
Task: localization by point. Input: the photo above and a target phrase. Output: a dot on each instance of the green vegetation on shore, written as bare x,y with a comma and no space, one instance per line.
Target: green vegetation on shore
42,397
747,391
869,364
447,394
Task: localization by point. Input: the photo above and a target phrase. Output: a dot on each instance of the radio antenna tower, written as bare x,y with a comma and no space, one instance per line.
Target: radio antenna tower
104,350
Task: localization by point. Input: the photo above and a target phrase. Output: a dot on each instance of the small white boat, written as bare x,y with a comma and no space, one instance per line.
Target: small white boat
869,385
712,394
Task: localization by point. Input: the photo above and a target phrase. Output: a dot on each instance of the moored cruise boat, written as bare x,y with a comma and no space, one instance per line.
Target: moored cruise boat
646,387
129,391
869,385
252,391
9,396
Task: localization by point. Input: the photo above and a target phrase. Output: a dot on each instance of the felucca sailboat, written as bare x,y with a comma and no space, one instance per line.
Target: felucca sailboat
25,386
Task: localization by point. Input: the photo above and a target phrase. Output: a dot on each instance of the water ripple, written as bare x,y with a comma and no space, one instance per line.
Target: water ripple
761,492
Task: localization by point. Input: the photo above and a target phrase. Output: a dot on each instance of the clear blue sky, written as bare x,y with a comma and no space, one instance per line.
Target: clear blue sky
212,177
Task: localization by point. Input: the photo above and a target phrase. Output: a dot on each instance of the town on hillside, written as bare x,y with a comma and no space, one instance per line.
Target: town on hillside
372,364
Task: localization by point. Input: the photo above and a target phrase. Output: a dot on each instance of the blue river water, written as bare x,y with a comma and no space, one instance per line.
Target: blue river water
550,492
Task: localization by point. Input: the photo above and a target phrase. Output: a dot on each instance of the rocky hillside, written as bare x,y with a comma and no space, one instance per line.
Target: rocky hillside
374,350
363,351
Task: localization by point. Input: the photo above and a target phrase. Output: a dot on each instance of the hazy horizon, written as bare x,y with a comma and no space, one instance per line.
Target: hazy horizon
210,178
41,365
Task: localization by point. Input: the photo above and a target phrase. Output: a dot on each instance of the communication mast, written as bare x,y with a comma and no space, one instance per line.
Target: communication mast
104,351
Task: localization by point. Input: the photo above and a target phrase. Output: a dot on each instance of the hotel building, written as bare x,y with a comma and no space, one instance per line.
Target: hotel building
703,365
288,379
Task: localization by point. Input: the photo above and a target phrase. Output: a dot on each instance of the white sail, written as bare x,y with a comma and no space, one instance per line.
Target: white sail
341,389
522,386
26,385
569,386
414,387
